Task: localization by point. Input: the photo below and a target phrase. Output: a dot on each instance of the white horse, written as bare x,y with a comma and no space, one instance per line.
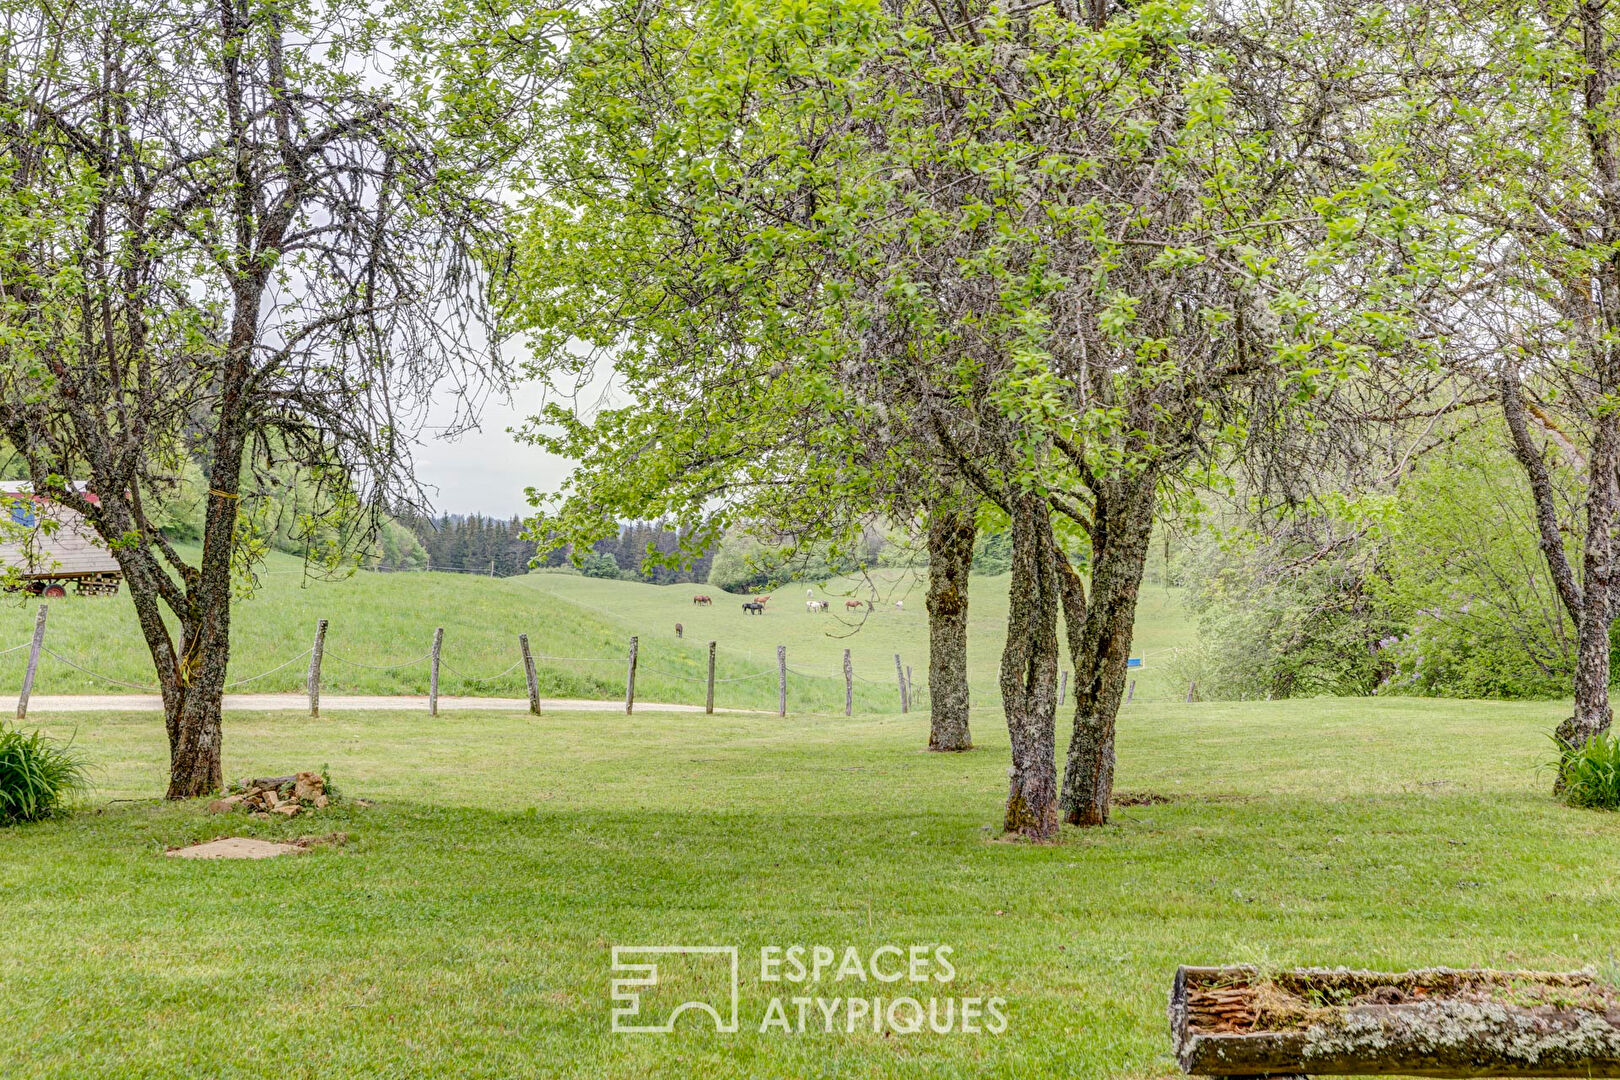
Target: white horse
814,606
898,606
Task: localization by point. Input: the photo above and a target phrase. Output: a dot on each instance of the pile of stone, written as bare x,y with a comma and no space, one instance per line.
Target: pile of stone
284,795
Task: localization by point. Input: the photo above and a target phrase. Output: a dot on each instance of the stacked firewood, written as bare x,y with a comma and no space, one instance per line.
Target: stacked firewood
284,795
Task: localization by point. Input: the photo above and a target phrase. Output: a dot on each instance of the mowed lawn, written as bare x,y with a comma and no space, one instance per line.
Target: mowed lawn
466,928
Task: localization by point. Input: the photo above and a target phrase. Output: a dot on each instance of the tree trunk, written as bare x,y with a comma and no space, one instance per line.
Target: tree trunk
205,647
1589,602
951,531
1101,647
1029,665
1598,580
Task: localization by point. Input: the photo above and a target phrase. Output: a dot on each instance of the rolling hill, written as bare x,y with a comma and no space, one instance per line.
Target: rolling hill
381,629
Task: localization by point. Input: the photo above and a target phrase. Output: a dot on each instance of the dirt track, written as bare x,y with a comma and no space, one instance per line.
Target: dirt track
339,702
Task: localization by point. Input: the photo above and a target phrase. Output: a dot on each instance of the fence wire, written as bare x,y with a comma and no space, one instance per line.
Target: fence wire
272,671
379,667
916,689
480,678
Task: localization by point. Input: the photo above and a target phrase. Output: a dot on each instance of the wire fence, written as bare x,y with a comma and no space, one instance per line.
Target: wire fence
814,691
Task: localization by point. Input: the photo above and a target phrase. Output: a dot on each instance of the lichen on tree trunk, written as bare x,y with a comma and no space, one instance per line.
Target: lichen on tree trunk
1590,600
951,531
1099,636
1029,665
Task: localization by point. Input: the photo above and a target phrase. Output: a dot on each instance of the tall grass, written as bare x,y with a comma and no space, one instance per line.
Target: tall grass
37,776
1590,776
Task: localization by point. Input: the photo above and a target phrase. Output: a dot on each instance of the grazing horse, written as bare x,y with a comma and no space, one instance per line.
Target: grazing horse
761,600
898,606
852,605
754,607
702,600
680,631
814,606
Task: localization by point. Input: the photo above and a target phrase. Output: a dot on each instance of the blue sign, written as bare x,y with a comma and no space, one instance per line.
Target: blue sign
1135,661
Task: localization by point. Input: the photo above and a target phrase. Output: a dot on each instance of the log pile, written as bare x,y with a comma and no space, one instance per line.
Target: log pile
1234,1021
287,796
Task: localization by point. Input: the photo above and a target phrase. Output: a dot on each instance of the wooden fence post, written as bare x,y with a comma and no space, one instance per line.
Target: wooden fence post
433,678
1063,687
33,661
630,678
900,677
1192,688
708,702
781,680
1131,692
849,686
529,675
908,684
315,667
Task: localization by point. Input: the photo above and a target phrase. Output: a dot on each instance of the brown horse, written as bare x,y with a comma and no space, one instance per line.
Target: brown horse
703,600
852,605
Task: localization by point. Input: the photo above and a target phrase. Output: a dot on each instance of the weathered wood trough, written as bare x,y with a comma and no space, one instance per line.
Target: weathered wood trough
1234,1021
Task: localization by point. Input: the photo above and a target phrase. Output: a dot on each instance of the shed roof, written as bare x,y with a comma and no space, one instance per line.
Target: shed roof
42,538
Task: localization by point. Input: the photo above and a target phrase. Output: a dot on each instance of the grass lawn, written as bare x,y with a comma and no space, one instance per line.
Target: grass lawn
466,928
381,627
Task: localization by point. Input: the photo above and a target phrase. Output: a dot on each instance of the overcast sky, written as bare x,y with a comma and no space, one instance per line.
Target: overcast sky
485,471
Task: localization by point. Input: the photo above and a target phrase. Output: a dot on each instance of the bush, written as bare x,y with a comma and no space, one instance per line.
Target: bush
37,775
600,564
1590,776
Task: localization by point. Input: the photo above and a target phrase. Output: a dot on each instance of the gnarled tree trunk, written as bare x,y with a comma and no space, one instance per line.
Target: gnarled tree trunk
1589,601
1099,634
951,531
1598,580
1029,666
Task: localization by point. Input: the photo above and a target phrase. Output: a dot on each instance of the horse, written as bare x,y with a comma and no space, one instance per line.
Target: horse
680,631
754,607
898,606
853,605
814,606
702,600
761,600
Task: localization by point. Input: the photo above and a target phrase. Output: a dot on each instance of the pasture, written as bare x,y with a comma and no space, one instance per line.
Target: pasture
381,628
465,929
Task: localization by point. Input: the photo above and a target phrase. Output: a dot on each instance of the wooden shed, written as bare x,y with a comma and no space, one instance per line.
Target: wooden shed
51,546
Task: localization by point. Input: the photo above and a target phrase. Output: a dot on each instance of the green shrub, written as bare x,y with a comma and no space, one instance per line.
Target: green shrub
1590,776
37,775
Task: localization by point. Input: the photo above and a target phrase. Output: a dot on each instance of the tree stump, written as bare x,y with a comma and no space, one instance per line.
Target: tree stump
1233,1021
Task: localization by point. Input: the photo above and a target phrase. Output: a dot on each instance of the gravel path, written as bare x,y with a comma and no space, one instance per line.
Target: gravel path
336,702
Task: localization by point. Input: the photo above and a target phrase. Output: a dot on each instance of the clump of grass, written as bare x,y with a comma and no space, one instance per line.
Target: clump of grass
37,776
1589,775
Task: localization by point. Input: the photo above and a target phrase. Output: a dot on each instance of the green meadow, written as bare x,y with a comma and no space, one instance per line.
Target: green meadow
466,927
380,630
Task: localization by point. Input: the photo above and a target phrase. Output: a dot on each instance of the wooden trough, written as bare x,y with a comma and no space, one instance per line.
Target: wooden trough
1234,1021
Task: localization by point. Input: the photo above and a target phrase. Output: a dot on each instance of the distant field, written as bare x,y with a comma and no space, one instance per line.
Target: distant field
466,928
381,627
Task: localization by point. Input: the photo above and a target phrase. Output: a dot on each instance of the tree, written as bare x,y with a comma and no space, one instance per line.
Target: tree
1518,239
227,236
600,564
1060,260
